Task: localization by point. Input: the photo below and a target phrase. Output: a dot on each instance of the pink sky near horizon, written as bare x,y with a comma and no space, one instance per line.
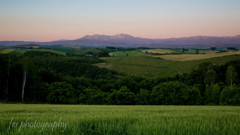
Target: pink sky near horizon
35,31
45,21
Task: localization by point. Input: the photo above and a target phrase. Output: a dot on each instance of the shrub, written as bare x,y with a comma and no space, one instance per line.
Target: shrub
61,93
230,96
175,93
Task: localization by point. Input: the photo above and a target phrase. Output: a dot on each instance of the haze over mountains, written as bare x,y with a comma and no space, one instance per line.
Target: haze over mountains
125,40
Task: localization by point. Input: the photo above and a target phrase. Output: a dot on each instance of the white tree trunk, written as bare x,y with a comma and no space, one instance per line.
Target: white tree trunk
23,84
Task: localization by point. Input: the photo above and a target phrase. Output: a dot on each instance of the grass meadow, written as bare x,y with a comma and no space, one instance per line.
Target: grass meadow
119,120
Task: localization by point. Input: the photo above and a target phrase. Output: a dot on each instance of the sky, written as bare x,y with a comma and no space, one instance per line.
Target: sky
48,20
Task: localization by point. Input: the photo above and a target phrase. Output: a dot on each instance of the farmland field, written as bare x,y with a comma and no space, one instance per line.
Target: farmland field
180,51
132,120
159,51
189,57
128,53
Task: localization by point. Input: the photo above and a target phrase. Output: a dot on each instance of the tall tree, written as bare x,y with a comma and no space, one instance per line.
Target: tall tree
231,76
203,67
3,67
230,96
8,73
212,94
210,77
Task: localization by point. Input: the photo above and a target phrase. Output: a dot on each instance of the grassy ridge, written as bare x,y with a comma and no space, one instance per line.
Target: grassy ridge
85,119
79,51
22,51
5,51
60,51
151,67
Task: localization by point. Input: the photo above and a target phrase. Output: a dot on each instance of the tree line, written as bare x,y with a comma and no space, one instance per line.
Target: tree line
43,77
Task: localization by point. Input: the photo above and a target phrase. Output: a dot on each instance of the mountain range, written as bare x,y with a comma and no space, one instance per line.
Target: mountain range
125,40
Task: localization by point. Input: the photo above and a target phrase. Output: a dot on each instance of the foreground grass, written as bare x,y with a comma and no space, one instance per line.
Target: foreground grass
119,120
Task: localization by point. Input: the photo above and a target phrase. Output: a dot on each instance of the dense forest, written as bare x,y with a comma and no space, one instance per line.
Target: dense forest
44,77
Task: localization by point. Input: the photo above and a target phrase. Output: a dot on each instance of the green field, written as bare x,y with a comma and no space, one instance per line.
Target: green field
79,51
119,120
22,51
150,67
60,51
128,53
158,51
5,51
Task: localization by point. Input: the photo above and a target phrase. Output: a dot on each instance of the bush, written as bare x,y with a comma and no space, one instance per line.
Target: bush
61,93
144,97
230,96
122,97
175,93
212,94
194,96
92,96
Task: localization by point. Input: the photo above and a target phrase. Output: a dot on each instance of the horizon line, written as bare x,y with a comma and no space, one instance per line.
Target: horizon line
119,34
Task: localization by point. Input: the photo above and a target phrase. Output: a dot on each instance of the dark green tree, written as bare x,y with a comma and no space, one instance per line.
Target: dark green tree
144,97
194,96
212,94
231,76
203,67
93,96
122,97
4,77
126,81
61,93
211,76
230,96
170,93
173,93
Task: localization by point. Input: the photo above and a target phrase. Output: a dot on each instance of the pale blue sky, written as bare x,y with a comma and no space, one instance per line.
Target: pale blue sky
45,20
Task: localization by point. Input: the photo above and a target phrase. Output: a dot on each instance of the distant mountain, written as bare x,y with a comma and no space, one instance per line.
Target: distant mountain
13,43
120,38
125,40
202,41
